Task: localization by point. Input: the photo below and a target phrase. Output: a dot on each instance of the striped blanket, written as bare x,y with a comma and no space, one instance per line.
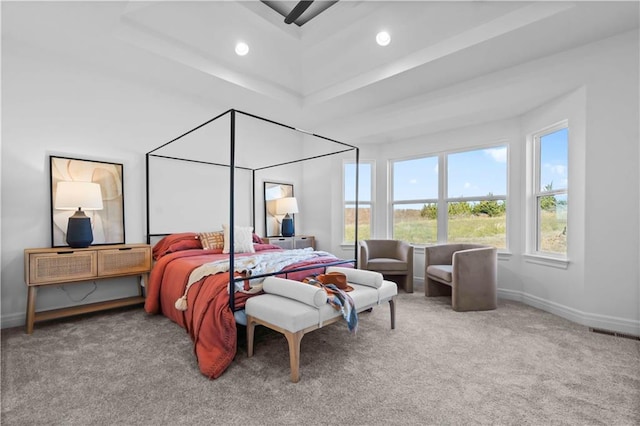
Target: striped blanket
340,300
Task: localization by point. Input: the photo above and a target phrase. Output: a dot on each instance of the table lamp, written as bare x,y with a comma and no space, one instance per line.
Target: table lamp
78,195
285,206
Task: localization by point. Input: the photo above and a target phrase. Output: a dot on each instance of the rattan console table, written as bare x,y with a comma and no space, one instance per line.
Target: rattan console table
65,265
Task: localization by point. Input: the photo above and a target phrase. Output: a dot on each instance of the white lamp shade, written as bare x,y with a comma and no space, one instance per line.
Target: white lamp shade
75,195
286,205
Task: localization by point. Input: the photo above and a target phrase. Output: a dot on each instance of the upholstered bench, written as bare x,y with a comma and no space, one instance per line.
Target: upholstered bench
294,309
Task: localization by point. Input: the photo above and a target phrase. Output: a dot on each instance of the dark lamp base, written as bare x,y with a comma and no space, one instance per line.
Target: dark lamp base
287,226
79,234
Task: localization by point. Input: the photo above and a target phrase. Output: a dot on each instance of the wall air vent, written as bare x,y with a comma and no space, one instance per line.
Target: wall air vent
615,333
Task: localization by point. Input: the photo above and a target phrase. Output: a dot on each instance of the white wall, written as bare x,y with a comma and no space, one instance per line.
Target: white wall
53,106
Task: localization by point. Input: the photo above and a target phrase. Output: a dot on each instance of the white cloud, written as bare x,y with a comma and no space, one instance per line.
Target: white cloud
413,181
558,169
435,169
498,154
467,185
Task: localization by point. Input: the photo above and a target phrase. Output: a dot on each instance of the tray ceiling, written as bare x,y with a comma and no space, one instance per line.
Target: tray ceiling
328,68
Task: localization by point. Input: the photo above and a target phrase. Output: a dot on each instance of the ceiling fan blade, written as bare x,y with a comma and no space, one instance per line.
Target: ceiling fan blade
297,11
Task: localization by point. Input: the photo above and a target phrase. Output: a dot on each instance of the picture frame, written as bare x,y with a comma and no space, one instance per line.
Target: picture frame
107,224
272,192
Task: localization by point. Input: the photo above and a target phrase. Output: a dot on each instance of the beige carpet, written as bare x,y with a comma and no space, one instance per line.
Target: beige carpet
515,365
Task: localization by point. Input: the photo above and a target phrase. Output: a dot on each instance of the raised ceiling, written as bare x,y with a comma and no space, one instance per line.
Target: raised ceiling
327,74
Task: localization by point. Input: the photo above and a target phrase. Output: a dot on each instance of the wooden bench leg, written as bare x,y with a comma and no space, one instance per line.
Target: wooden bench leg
251,326
294,353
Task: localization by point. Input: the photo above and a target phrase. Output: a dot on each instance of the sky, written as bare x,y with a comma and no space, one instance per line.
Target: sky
476,173
554,159
470,174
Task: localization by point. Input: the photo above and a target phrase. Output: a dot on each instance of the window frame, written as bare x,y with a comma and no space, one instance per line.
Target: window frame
361,203
535,193
392,203
443,199
480,198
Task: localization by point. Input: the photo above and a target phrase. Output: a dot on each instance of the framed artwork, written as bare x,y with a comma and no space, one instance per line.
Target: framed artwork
272,192
108,223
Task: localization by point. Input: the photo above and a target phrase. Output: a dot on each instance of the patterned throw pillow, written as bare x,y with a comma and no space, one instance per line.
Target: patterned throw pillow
242,241
212,240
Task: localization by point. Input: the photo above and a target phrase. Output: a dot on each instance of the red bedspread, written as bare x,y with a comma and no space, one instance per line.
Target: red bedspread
208,318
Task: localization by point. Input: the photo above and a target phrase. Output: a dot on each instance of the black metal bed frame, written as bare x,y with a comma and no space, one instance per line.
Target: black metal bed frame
232,166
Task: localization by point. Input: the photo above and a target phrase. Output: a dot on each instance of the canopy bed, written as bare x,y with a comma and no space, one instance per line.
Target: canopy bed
208,177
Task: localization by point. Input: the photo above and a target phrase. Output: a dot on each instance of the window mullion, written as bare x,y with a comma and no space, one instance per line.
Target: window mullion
443,211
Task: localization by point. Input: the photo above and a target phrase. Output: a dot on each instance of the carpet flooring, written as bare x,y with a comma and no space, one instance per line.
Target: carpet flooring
513,366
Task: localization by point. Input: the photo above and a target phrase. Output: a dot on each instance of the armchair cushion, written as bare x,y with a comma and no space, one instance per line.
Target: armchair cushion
444,272
386,264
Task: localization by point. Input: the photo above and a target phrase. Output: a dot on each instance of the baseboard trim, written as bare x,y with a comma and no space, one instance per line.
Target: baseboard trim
12,320
604,322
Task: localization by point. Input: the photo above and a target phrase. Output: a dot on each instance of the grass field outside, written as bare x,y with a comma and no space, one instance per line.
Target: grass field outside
411,227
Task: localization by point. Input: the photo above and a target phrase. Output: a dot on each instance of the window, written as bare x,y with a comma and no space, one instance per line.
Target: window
365,201
415,200
477,197
451,197
551,183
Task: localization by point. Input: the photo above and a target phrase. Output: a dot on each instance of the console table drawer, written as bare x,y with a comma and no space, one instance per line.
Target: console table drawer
62,266
124,261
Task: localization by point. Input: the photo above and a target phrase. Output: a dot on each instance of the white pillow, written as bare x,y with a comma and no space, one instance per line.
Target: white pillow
242,241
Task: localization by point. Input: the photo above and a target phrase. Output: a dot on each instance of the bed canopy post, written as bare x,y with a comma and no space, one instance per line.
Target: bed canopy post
232,168
253,200
355,245
147,195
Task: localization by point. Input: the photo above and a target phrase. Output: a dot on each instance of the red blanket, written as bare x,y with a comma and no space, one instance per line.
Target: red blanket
208,319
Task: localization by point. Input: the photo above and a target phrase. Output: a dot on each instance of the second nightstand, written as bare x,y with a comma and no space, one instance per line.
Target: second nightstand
295,242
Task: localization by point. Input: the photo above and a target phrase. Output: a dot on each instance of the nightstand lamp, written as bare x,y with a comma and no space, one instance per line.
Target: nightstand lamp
78,195
285,206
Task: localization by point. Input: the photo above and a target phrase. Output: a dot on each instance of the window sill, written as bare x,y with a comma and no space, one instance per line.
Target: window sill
504,255
554,262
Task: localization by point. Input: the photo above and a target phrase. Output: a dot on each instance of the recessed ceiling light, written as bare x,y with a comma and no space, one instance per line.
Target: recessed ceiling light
242,48
383,38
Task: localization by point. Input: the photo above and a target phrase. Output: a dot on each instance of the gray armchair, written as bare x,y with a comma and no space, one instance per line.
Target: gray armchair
392,258
466,272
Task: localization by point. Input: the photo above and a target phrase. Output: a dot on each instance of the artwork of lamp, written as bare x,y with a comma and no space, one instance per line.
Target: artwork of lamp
78,195
285,206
